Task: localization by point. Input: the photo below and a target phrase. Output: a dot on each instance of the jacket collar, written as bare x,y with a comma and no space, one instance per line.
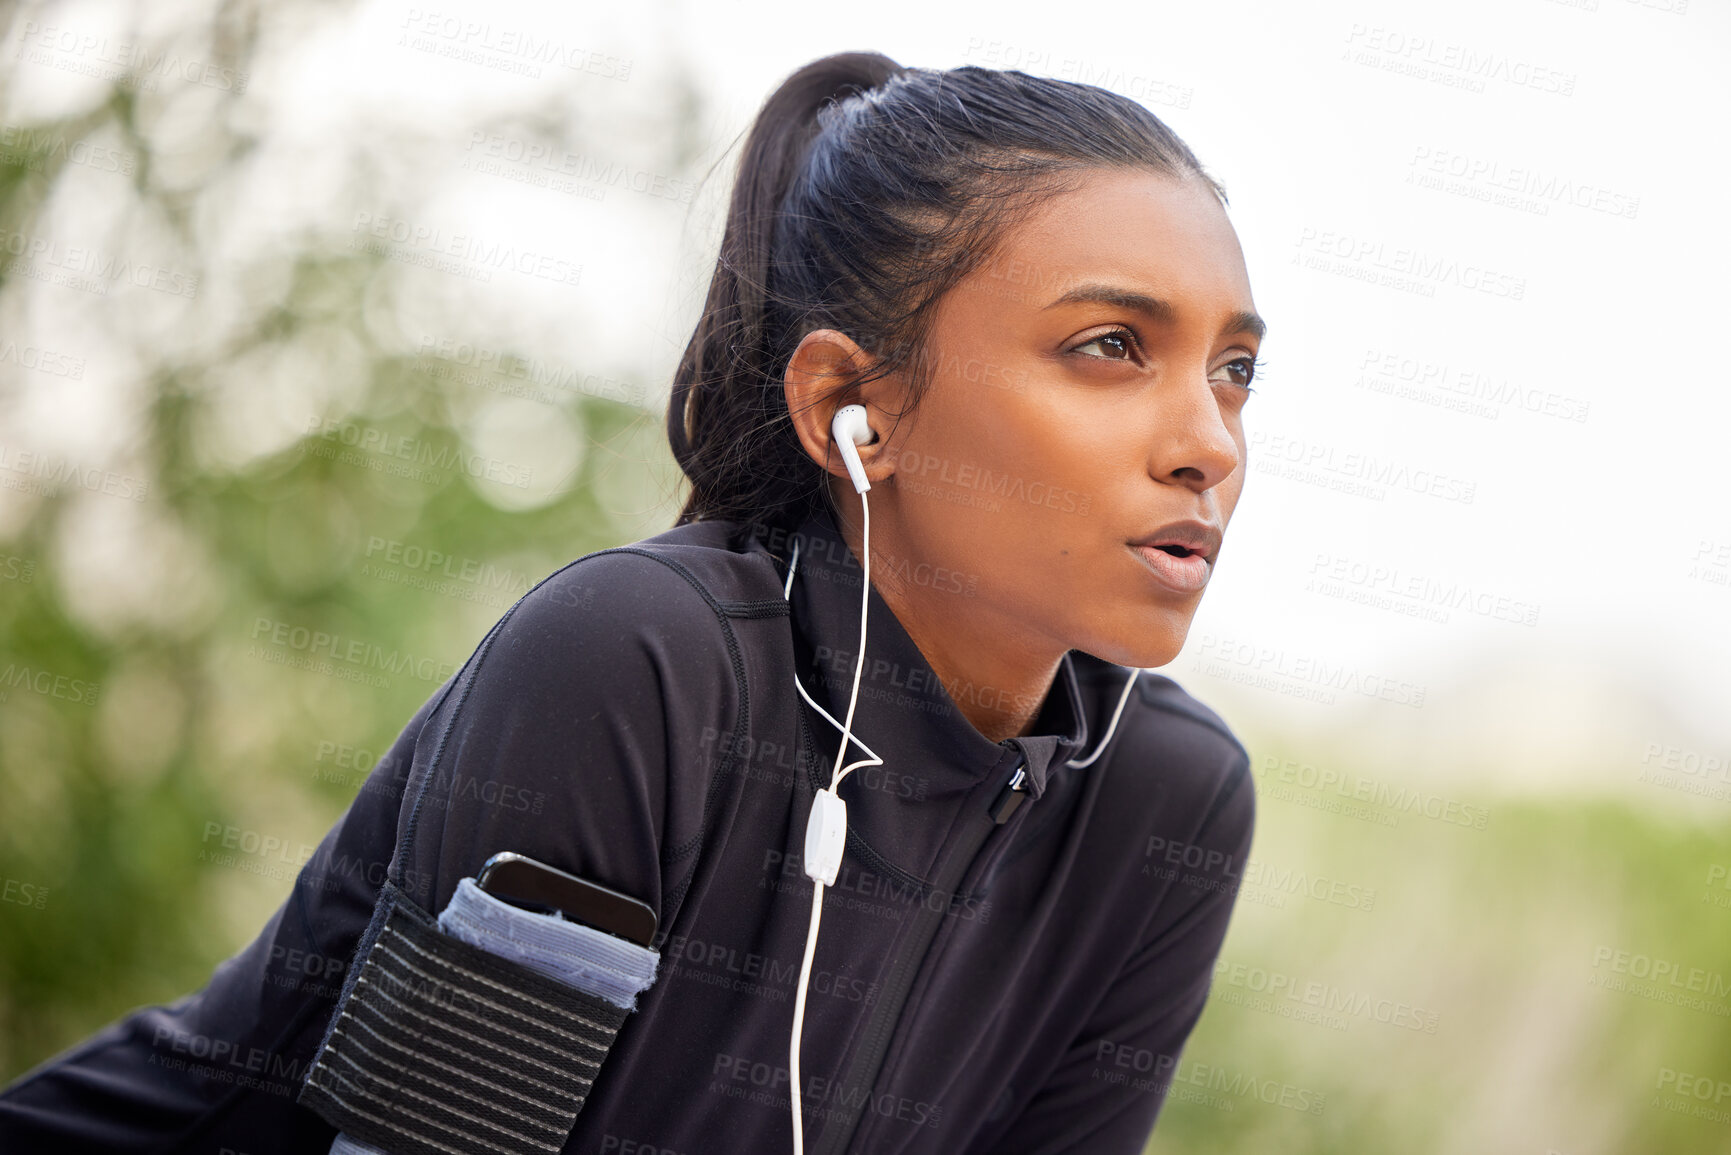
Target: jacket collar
904,713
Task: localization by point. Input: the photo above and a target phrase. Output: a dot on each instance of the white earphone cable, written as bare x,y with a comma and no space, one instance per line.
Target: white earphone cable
817,887
1110,726
871,759
787,591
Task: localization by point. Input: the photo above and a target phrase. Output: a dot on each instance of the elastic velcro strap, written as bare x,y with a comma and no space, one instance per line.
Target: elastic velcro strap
441,1048
590,960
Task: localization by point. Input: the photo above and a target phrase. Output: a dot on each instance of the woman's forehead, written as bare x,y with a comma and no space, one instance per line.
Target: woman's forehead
1133,232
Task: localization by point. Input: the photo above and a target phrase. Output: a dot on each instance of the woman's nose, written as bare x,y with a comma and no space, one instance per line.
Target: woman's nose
1193,445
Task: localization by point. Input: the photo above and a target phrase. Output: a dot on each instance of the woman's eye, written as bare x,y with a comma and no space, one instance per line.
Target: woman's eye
1244,371
1114,346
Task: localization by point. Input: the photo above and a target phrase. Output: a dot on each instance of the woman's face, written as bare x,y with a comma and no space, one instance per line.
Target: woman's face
1087,392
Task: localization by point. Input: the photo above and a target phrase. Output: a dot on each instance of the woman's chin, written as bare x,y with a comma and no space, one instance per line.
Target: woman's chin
1144,652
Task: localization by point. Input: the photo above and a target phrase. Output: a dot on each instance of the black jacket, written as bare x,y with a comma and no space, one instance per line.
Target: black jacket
1014,986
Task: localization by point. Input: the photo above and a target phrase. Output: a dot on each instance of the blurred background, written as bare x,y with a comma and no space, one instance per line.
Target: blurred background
329,328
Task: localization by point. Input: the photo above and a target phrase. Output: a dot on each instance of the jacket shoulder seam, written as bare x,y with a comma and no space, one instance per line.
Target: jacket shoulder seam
742,712
1146,693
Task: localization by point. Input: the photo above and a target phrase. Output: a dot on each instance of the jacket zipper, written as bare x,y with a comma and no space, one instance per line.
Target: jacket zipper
862,1073
1010,796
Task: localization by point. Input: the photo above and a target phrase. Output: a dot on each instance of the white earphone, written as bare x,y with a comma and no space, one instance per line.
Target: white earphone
849,430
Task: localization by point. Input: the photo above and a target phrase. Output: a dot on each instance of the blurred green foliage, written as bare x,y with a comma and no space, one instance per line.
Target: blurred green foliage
150,705
1502,935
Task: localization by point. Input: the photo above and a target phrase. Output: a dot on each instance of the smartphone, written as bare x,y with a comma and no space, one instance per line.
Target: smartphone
536,886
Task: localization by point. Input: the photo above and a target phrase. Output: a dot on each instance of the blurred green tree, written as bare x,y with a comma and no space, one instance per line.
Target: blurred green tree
248,520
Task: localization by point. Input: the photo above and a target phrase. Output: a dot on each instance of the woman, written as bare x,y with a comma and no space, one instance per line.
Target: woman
1031,292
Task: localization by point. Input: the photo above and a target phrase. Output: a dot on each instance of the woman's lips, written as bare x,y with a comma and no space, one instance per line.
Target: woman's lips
1185,575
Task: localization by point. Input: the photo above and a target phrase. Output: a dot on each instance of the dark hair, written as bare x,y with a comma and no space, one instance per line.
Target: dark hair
866,191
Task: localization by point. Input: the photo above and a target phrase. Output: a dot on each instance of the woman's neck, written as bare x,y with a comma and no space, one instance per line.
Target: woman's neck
986,666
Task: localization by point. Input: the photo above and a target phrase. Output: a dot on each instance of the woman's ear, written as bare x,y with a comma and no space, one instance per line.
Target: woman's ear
822,376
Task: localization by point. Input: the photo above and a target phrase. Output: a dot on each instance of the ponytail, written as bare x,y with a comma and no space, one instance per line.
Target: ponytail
727,420
865,191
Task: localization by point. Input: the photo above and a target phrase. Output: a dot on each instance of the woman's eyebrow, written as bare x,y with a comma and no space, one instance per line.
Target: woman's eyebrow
1153,307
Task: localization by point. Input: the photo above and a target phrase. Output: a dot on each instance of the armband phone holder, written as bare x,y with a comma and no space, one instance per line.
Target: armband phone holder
484,1029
